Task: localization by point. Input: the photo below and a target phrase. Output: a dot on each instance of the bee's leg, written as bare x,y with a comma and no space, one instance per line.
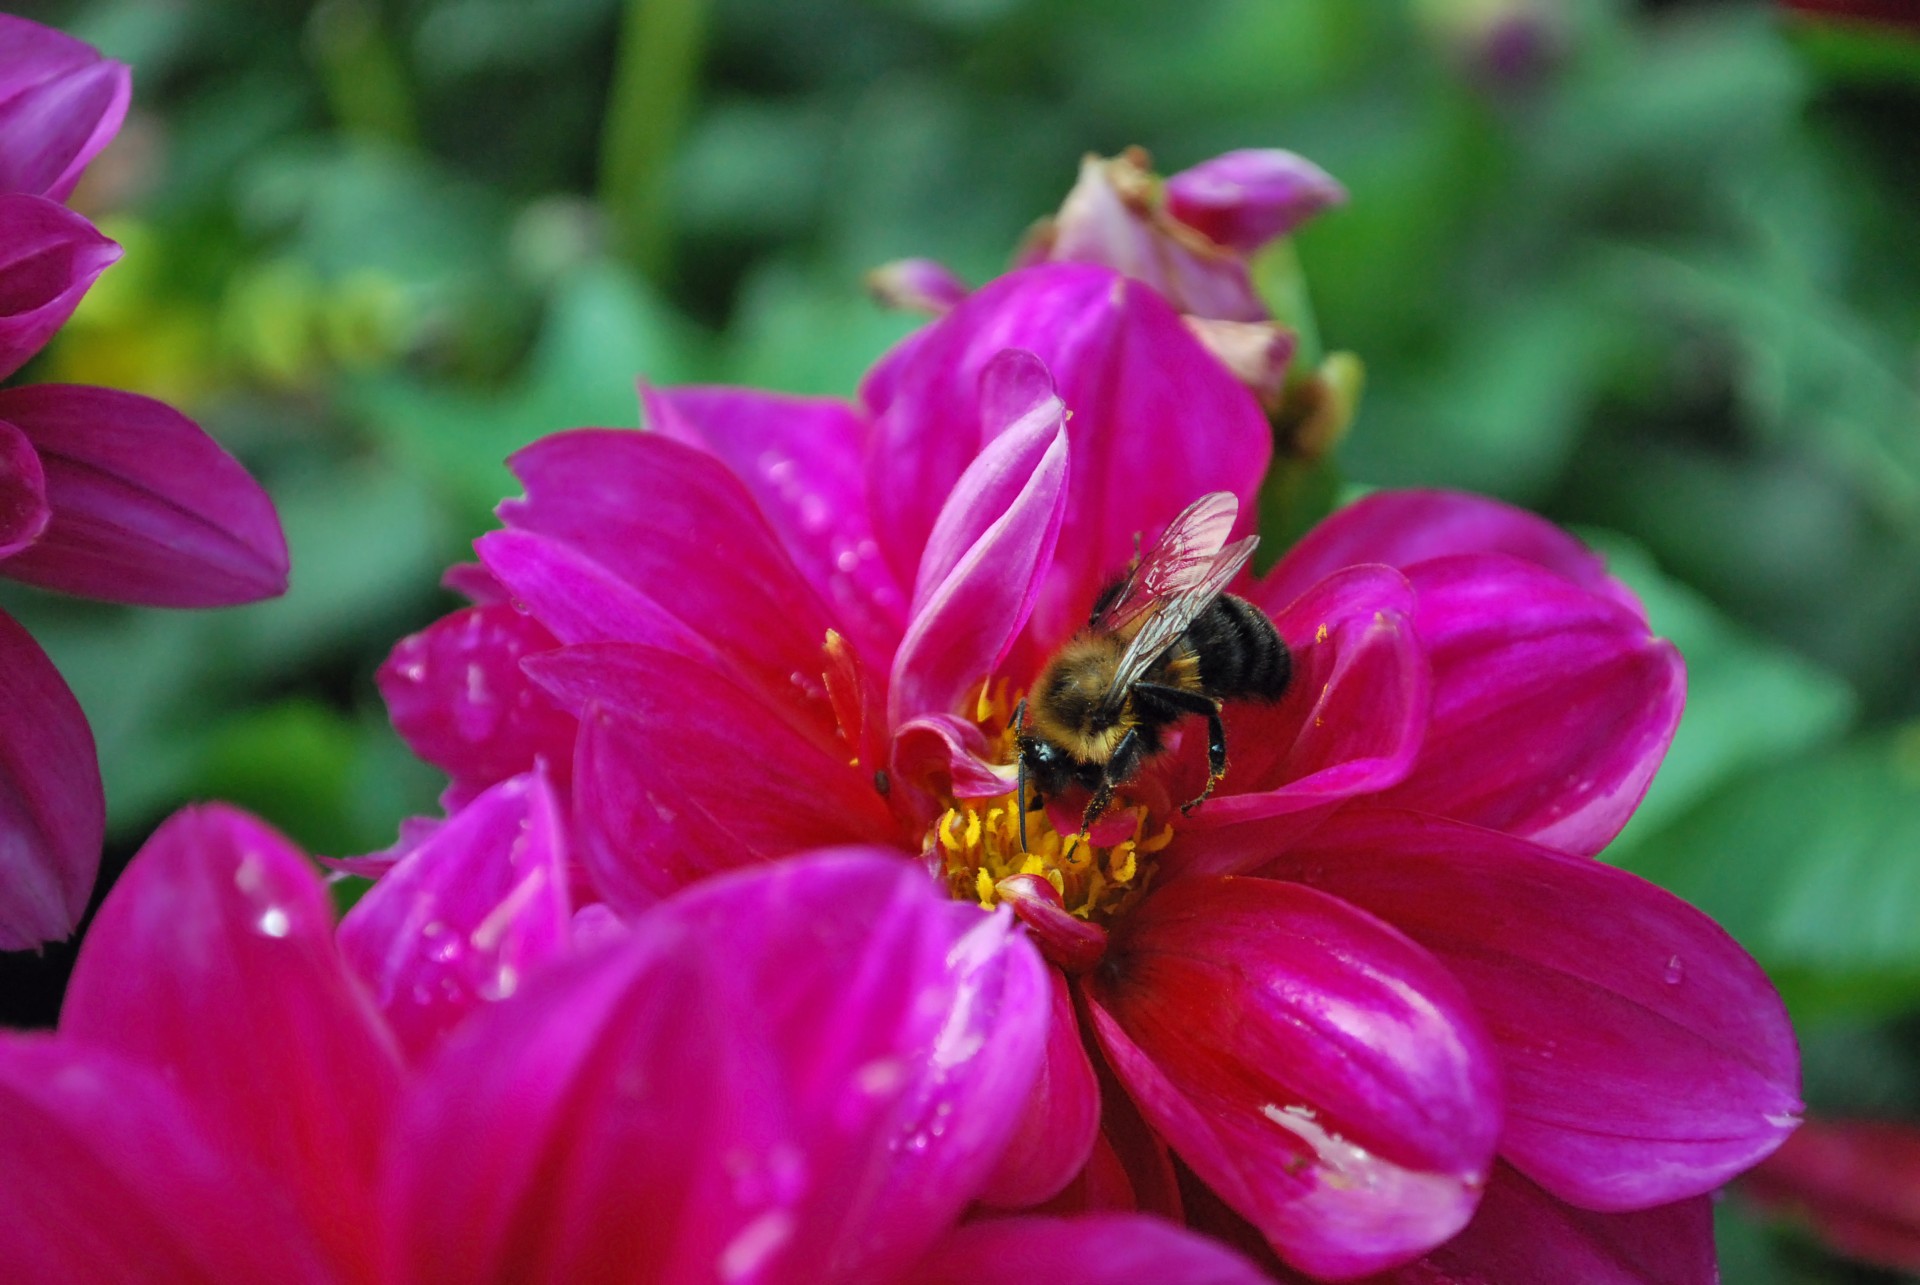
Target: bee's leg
1023,798
1121,768
1019,713
1216,756
1195,703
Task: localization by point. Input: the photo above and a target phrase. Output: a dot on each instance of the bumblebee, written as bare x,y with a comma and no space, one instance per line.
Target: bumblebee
1165,641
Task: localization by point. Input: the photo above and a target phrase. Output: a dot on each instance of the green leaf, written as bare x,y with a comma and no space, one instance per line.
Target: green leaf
1810,863
1749,701
603,331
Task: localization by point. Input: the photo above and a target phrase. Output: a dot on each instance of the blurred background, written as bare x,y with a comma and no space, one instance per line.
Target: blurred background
1652,269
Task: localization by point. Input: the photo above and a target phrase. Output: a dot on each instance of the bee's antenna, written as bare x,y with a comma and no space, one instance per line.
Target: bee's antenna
1020,753
1023,801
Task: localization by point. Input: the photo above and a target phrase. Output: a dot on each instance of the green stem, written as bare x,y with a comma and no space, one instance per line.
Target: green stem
653,80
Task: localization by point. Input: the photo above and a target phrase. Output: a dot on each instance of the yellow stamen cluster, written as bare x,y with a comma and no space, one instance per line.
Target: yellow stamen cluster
978,841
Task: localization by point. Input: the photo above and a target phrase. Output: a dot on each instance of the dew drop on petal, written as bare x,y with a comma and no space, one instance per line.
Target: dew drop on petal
274,922
1675,971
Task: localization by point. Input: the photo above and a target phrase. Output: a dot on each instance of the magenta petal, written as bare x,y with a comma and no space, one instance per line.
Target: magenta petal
1093,1249
105,1176
1350,724
683,771
1349,1108
915,1022
48,257
1130,375
803,460
618,1123
787,1076
60,103
466,915
1523,1236
1245,199
458,698
212,961
1647,1057
1059,1116
917,285
677,525
947,755
1406,528
147,508
23,492
53,811
577,599
1552,705
989,549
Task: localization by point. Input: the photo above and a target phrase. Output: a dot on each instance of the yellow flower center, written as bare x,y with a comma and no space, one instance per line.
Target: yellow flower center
978,840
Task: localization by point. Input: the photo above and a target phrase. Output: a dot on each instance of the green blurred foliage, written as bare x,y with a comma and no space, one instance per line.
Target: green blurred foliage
1659,280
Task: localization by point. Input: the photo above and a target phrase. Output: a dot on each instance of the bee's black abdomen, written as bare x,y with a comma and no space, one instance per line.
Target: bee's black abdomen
1240,652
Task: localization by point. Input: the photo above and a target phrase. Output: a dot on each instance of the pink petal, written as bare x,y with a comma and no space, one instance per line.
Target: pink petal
1154,422
1093,1249
919,1018
803,460
1110,218
676,525
989,548
212,961
1321,1073
1647,1057
147,508
53,811
1245,199
1059,1116
23,492
1523,1236
466,915
458,698
1856,1181
947,756
1351,723
1406,528
1552,705
917,285
60,103
577,599
617,1121
683,771
787,1076
48,257
106,1176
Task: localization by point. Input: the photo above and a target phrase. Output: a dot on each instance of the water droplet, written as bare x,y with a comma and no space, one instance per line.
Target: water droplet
274,922
1675,971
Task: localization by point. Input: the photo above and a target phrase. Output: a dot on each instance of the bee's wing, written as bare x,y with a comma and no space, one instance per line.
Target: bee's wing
1178,560
1172,614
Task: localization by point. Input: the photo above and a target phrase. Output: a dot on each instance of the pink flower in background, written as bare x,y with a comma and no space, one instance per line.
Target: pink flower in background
103,494
803,1074
1856,1182
1379,958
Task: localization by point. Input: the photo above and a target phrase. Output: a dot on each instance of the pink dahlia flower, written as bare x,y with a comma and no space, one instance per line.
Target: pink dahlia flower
1857,1182
103,494
1374,984
795,1075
